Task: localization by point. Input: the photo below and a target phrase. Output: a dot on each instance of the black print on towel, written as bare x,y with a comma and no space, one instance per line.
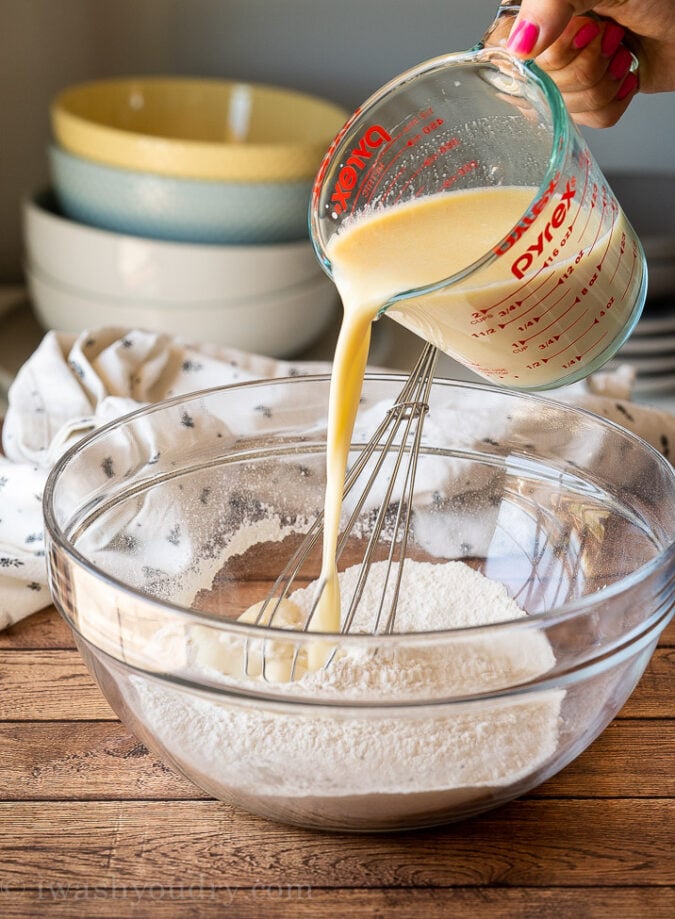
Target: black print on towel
6,562
190,366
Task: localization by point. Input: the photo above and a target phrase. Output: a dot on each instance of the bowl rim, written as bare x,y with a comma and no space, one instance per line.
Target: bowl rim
276,297
560,614
37,205
58,154
190,158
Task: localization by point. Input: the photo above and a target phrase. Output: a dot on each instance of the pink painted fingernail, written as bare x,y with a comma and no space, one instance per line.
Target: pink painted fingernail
611,39
585,35
620,64
628,86
523,38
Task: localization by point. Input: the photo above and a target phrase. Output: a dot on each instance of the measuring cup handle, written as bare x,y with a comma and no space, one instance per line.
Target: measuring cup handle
500,27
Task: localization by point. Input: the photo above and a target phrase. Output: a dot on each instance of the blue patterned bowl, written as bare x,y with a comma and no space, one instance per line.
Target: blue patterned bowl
180,210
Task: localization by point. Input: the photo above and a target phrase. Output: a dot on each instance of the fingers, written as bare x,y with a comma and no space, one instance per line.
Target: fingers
575,60
584,55
593,70
585,111
539,23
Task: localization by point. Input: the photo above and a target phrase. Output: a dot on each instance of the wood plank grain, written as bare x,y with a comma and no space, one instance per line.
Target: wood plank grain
195,901
54,685
48,685
47,629
44,629
38,685
532,843
653,696
90,760
83,761
631,758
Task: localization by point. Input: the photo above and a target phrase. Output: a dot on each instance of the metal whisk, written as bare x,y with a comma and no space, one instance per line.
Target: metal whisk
396,440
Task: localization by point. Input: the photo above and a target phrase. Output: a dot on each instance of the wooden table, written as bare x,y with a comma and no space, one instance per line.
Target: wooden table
94,825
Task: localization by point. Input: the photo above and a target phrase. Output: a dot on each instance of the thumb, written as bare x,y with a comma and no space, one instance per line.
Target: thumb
539,23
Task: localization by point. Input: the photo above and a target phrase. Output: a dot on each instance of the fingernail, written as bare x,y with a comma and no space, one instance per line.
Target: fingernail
585,35
628,86
523,38
620,64
612,38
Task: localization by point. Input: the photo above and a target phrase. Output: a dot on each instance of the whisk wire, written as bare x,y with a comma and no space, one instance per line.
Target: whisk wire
398,434
410,407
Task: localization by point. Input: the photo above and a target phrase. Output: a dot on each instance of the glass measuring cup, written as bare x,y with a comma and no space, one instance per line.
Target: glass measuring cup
557,288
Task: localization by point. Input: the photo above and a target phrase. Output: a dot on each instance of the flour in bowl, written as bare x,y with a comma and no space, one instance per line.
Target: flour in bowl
329,759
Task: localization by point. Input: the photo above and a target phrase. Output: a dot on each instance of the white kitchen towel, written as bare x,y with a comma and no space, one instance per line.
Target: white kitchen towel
74,384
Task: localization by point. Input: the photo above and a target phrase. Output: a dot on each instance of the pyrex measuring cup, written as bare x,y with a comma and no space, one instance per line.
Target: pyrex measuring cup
549,300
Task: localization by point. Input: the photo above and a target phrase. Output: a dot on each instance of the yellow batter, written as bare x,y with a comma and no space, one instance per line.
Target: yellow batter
393,250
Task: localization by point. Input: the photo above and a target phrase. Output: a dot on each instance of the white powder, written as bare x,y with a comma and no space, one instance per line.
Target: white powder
346,766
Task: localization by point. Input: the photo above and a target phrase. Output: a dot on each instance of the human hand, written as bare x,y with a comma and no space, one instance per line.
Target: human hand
590,50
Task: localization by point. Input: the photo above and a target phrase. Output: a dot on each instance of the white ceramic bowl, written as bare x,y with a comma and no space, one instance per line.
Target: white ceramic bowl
182,210
279,325
114,265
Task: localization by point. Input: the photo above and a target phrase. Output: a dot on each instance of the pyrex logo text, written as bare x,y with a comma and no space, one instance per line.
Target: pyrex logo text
524,262
373,138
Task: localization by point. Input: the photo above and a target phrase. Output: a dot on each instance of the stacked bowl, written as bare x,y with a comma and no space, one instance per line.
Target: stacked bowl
181,205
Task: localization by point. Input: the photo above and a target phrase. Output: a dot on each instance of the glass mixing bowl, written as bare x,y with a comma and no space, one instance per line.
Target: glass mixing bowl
166,524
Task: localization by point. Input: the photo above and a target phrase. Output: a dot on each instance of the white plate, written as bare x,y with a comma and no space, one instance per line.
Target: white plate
648,344
656,325
655,384
657,363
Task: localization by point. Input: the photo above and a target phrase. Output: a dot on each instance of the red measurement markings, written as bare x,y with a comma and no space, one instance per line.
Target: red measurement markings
528,278
513,294
584,192
589,350
541,329
406,185
510,310
463,170
632,271
614,210
605,204
318,181
385,173
367,188
350,170
383,168
391,183
591,209
557,283
426,163
378,167
519,346
522,264
620,251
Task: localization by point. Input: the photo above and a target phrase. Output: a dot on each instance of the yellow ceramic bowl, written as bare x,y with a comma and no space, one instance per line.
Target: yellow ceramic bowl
197,128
